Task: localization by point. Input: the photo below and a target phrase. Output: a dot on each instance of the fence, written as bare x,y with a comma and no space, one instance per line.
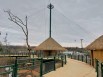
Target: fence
52,63
16,53
7,71
99,68
29,66
26,67
83,58
48,65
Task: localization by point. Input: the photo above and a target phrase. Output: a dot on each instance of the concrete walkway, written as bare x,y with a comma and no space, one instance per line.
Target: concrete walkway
73,68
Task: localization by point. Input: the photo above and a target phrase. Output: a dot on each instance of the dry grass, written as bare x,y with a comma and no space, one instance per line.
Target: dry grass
6,61
26,73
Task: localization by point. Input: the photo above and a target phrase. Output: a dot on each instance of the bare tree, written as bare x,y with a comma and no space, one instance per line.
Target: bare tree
21,24
6,41
1,46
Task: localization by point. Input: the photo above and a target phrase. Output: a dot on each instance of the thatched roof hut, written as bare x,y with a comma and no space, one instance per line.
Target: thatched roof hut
97,44
96,48
49,46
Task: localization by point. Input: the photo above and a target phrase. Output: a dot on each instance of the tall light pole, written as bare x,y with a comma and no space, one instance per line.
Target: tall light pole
81,43
50,6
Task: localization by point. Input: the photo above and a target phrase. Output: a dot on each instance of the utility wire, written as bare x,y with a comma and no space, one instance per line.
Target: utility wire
91,34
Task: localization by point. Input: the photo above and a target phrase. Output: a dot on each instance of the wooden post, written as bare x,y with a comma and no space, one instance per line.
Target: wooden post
92,58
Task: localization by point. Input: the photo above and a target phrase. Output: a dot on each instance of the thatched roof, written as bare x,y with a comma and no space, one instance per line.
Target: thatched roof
97,44
50,44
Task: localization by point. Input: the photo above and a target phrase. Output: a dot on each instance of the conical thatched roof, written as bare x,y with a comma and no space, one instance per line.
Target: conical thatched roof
97,44
50,44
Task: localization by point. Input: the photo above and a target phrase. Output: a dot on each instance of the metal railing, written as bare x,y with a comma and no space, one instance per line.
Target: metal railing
83,58
99,68
16,53
36,67
52,63
26,67
7,71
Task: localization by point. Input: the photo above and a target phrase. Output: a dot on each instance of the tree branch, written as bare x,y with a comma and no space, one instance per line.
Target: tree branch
21,24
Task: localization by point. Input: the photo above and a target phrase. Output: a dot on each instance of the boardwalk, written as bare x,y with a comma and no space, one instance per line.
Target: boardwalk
73,68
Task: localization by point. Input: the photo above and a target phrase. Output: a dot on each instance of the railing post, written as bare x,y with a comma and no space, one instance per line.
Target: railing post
86,58
71,56
96,66
41,67
62,60
78,57
33,55
54,64
15,68
82,58
33,62
65,59
101,71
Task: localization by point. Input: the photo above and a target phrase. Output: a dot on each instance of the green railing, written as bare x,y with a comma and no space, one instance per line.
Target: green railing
7,71
28,67
99,68
52,63
36,67
83,58
16,53
48,65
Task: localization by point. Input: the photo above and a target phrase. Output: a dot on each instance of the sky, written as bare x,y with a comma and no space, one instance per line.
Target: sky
72,20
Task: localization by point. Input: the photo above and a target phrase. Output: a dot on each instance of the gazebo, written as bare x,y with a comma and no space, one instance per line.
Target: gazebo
96,48
49,48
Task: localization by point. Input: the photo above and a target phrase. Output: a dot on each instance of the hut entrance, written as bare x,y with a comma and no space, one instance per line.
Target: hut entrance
49,53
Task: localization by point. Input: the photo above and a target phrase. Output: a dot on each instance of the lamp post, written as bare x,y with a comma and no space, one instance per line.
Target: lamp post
50,6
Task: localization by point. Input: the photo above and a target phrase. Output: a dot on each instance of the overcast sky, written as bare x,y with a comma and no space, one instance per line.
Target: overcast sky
72,20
